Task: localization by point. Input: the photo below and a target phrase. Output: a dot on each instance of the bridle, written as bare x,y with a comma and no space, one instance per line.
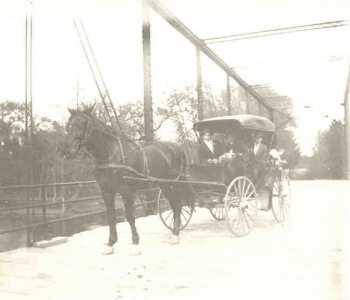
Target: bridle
84,138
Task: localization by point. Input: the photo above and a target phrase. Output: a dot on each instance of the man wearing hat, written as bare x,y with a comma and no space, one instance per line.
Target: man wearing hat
236,155
209,149
258,157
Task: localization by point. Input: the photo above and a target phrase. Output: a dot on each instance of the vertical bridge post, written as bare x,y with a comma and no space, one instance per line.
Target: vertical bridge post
147,87
199,84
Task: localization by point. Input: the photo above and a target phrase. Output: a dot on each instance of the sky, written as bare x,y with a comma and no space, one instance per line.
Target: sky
310,67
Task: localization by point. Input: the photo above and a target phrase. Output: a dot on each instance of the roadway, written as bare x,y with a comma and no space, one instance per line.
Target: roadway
305,258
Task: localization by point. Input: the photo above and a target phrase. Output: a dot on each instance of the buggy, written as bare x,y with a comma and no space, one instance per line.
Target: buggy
236,200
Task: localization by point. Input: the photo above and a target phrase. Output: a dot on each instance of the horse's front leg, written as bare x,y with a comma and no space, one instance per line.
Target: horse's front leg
110,207
128,199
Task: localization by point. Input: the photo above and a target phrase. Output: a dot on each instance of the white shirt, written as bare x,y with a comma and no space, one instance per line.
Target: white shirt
210,145
256,147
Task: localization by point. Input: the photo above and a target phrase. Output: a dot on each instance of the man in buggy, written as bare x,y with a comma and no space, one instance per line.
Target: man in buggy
236,155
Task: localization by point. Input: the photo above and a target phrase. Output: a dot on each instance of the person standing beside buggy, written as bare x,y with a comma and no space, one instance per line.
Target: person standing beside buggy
209,150
258,159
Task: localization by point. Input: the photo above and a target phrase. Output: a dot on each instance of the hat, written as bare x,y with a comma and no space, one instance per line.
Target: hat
257,134
206,130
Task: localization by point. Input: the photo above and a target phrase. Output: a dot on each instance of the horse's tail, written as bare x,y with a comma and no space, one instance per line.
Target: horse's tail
186,188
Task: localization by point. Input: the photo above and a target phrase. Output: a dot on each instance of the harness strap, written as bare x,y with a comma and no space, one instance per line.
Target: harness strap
121,149
165,157
145,161
182,166
121,167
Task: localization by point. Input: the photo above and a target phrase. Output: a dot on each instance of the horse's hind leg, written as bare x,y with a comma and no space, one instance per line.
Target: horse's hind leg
110,207
128,199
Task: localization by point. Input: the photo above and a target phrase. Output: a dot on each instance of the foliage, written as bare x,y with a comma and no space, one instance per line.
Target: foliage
131,118
11,121
328,159
40,159
182,110
286,141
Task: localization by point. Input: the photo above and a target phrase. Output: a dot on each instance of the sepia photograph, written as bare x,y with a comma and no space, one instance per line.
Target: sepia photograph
174,149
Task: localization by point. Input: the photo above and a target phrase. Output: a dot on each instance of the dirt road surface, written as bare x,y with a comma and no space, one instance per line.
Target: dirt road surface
305,258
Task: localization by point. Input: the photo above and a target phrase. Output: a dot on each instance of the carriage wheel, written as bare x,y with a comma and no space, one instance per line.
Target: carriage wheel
218,212
147,201
281,199
166,213
240,206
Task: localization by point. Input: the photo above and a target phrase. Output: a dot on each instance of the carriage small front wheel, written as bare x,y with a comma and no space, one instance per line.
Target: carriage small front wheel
218,212
240,206
166,213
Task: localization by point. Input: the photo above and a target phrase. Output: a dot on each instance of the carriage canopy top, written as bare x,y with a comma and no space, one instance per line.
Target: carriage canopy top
235,123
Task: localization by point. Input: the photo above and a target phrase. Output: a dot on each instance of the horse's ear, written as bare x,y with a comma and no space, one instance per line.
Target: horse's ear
72,111
89,110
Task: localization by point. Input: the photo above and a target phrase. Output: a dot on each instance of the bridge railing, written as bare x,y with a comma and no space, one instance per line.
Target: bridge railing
28,209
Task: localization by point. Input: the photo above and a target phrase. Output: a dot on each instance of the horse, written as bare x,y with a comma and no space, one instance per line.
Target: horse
116,156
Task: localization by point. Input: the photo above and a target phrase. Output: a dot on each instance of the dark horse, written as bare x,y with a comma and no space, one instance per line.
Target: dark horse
116,157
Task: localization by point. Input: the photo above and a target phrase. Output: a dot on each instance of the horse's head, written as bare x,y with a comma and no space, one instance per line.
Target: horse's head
78,129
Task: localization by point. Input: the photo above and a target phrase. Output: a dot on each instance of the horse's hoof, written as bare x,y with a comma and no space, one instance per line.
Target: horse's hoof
174,239
135,250
107,250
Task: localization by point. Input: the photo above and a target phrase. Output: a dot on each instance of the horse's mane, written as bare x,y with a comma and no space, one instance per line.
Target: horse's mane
115,132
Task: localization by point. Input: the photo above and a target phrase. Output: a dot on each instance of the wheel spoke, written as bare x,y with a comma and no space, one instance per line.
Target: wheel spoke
240,206
240,187
234,186
166,213
250,217
186,209
231,201
286,203
250,194
244,224
244,213
219,212
281,197
245,191
183,216
284,209
243,188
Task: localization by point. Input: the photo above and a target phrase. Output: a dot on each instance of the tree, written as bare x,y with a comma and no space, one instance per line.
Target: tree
12,135
328,160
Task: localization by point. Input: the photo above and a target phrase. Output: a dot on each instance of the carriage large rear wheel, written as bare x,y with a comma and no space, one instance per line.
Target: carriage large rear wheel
240,206
166,213
281,197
